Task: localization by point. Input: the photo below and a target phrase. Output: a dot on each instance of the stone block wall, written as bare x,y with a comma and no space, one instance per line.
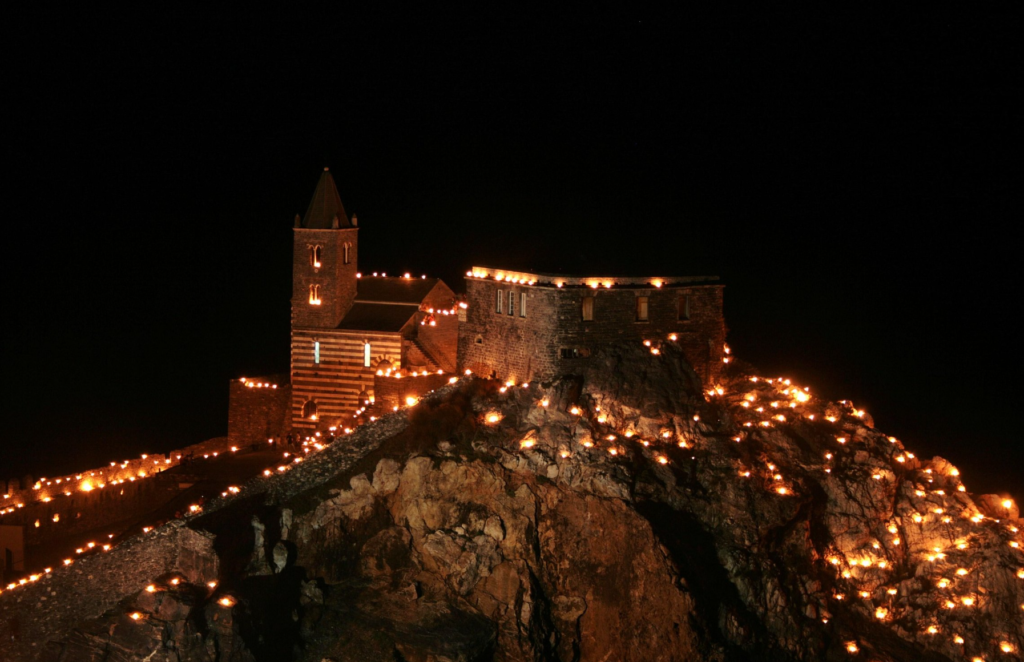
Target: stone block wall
336,279
389,392
257,414
554,339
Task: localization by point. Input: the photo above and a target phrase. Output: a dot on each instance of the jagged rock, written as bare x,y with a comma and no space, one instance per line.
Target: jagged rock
712,532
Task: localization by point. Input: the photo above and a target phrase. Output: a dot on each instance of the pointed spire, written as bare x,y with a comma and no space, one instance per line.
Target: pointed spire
325,210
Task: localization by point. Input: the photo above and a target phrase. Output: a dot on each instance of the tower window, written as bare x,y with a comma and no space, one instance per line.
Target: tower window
522,304
314,295
346,253
366,355
500,299
511,302
314,256
588,309
641,309
684,306
316,351
309,410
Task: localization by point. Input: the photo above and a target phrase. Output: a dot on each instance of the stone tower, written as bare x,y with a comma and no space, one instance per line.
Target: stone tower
324,260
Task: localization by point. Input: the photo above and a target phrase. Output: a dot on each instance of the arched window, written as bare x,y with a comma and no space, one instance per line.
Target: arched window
309,410
314,295
346,253
314,256
366,355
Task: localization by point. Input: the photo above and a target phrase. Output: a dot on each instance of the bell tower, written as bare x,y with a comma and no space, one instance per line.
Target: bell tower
324,260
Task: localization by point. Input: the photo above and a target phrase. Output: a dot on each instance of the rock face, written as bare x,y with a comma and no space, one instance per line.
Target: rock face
621,515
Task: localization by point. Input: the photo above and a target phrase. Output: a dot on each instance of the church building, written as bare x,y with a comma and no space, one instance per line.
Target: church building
347,326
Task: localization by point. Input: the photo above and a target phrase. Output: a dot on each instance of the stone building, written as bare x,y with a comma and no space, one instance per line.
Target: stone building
346,326
534,326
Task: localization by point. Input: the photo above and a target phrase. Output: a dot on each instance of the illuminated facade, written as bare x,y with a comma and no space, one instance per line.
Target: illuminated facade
532,326
345,326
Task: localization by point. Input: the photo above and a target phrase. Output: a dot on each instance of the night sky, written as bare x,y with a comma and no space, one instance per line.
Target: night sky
854,178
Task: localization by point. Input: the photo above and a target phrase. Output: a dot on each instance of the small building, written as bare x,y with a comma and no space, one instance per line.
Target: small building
346,324
536,326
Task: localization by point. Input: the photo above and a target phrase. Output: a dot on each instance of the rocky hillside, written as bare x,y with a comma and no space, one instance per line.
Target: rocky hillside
622,515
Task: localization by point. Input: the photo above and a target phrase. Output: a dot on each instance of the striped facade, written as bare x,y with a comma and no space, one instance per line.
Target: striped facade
335,382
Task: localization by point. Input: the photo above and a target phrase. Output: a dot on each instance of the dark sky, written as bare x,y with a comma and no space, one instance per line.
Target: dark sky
853,177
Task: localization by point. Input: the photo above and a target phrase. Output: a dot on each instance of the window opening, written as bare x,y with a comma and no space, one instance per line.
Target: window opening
366,355
641,309
511,302
588,309
309,410
314,295
314,256
500,299
522,304
346,257
316,351
684,306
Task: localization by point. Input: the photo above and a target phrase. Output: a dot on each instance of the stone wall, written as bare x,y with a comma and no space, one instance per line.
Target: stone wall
41,611
554,339
336,279
390,391
257,414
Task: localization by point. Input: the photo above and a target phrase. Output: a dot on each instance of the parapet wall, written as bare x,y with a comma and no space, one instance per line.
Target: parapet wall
390,391
256,414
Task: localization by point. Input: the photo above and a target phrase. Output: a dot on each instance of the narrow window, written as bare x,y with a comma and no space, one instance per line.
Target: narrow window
501,297
684,306
314,256
346,253
314,295
309,410
316,351
641,309
522,304
366,355
588,309
569,353
511,302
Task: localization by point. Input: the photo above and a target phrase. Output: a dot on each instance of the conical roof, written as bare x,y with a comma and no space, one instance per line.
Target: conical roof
325,206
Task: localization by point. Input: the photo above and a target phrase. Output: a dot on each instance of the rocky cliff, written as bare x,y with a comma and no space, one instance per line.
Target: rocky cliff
624,514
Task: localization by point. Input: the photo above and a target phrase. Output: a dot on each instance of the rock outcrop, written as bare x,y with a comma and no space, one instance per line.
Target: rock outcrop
621,515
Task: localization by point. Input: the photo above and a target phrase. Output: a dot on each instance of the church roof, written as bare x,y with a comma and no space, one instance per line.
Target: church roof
325,206
377,317
394,290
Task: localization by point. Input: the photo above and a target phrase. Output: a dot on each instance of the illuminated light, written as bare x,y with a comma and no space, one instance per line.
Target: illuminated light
881,613
175,581
410,401
1007,503
37,524
135,615
917,518
212,585
961,488
528,443
877,476
452,380
657,283
841,440
576,411
943,583
1014,544
106,548
864,594
673,337
932,629
226,602
588,444
892,591
564,454
745,474
151,589
613,451
662,459
950,604
1020,574
958,639
852,648
267,472
831,419
782,490
968,602
1006,647
493,417
961,571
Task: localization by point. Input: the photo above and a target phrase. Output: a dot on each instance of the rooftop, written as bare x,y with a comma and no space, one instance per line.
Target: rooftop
594,281
325,206
408,291
377,317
